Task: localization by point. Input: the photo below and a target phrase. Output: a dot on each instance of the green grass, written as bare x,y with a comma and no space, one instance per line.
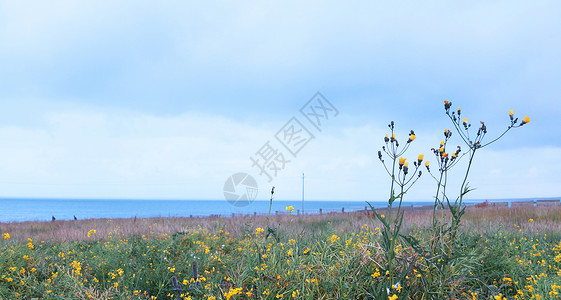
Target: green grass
332,256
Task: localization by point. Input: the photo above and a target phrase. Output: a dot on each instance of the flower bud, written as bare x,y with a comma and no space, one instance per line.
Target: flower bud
525,120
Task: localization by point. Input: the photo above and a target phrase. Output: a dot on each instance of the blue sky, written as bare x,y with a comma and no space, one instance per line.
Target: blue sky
134,99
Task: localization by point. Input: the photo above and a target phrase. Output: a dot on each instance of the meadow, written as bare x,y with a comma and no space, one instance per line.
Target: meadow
507,253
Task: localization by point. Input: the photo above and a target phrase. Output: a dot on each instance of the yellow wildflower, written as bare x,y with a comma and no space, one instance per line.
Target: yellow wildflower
6,236
401,161
525,120
420,159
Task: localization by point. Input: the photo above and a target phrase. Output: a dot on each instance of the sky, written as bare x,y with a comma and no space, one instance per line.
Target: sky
144,100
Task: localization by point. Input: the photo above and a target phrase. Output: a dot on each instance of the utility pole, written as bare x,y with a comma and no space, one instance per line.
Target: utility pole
302,193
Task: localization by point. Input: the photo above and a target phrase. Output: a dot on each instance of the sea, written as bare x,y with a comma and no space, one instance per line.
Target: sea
21,210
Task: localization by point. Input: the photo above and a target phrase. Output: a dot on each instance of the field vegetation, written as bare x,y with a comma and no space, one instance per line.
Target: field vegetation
512,253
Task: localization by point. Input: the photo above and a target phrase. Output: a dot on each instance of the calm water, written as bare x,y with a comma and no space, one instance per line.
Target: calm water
43,209
20,210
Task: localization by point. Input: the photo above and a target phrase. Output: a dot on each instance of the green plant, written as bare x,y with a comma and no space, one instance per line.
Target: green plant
401,180
442,252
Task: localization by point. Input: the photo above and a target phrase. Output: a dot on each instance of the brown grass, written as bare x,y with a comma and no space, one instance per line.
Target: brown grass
546,219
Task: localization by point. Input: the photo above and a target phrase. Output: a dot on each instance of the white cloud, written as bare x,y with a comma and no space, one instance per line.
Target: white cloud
93,154
114,154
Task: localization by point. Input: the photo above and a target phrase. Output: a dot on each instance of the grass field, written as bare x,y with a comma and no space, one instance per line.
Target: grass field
507,253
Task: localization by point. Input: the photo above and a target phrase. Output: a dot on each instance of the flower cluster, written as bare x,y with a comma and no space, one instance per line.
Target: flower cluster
393,150
444,159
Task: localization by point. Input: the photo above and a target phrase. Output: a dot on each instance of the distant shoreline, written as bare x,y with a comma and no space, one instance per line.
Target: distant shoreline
363,207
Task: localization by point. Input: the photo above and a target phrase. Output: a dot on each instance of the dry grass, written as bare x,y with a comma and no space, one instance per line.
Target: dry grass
545,219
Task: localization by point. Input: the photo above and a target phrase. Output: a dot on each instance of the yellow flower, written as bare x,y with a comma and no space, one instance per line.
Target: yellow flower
444,154
401,161
525,120
531,220
30,245
406,164
421,156
465,121
259,230
333,238
290,208
393,297
412,137
441,143
91,232
6,236
427,163
511,113
441,149
77,267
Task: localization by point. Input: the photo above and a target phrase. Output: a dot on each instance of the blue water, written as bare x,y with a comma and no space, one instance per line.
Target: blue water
19,210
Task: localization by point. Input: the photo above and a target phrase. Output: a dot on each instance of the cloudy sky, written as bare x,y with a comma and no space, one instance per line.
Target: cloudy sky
144,100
